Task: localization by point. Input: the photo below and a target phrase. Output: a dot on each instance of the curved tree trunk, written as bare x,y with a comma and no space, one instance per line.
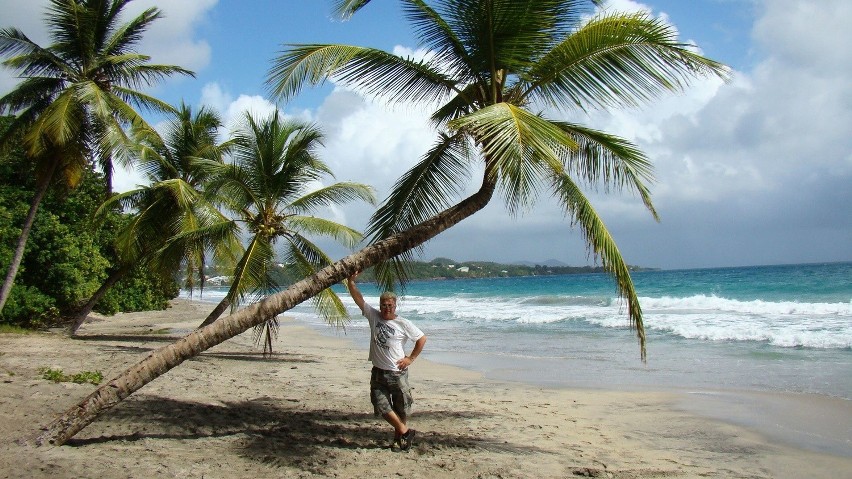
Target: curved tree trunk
83,313
18,256
217,311
162,360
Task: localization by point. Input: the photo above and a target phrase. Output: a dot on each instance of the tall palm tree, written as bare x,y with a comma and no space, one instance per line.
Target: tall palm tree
77,95
275,163
174,220
494,61
494,66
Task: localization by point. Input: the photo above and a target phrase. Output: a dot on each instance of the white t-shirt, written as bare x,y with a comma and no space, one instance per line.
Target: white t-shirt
388,338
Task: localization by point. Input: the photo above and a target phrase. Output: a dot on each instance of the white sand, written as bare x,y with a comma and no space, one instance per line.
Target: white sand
306,413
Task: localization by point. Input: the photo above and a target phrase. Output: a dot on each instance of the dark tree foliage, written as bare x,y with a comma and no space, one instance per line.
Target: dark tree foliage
67,256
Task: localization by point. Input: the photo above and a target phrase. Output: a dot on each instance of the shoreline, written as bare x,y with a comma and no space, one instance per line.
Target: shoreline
786,417
305,413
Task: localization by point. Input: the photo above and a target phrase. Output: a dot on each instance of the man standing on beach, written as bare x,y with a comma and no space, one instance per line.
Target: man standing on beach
389,389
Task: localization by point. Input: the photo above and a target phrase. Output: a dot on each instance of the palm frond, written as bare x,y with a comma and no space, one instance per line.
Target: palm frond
251,276
470,98
306,258
611,161
522,148
221,237
616,60
422,192
371,71
338,193
31,97
497,36
123,38
142,100
15,42
425,189
312,225
601,243
60,123
346,8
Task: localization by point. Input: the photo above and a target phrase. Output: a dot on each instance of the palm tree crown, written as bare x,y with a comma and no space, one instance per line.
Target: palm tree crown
268,188
172,221
494,66
176,221
81,89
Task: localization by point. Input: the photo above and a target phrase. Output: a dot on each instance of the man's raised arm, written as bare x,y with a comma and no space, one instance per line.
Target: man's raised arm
355,292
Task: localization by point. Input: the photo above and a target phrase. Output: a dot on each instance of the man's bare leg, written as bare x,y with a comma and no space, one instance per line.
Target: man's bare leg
398,424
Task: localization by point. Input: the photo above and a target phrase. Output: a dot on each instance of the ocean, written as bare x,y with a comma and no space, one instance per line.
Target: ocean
759,328
725,339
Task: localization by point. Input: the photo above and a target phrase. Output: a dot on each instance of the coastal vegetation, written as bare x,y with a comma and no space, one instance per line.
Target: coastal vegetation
83,377
172,223
68,256
494,68
76,98
445,268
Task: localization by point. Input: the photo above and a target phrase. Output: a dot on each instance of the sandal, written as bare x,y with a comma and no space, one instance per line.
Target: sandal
407,440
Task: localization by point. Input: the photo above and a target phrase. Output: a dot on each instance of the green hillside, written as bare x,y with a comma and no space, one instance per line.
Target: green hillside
445,268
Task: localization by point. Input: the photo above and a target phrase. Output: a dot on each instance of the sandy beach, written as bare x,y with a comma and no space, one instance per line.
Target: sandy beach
305,412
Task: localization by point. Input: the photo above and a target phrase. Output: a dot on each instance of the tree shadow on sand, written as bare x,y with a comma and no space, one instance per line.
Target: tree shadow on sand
136,348
128,338
278,431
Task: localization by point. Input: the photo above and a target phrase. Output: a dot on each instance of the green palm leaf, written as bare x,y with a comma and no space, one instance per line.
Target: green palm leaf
425,189
602,244
346,8
337,193
314,226
306,258
615,60
372,71
613,162
520,146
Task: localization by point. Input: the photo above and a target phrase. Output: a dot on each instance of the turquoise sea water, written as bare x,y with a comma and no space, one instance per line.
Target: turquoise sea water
763,328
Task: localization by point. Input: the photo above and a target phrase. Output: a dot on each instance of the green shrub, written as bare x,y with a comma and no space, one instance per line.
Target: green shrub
57,376
27,307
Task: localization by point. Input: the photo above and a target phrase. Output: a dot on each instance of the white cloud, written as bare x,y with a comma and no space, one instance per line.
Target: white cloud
758,161
169,40
370,143
806,35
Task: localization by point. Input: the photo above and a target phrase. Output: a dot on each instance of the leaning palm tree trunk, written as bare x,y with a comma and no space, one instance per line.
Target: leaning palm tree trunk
162,360
81,315
18,256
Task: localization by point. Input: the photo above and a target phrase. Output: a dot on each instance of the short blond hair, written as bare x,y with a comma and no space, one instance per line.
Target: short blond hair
388,295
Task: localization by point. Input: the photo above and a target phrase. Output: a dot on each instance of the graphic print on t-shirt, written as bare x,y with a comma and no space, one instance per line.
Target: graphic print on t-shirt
383,332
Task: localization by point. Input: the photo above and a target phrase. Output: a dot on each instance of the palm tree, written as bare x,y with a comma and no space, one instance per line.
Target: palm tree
174,221
77,95
275,162
493,61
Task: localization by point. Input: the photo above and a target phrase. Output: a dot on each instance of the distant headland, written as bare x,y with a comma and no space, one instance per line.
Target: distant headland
446,268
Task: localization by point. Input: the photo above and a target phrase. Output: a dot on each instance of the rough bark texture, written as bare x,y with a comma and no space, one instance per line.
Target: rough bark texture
87,308
18,256
162,360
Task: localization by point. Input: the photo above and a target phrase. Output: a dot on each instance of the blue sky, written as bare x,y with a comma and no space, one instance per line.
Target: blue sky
756,171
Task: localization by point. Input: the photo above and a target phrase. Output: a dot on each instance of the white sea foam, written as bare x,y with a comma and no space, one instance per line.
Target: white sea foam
699,317
708,318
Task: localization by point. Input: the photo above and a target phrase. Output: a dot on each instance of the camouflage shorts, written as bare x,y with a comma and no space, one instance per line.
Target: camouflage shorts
389,391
